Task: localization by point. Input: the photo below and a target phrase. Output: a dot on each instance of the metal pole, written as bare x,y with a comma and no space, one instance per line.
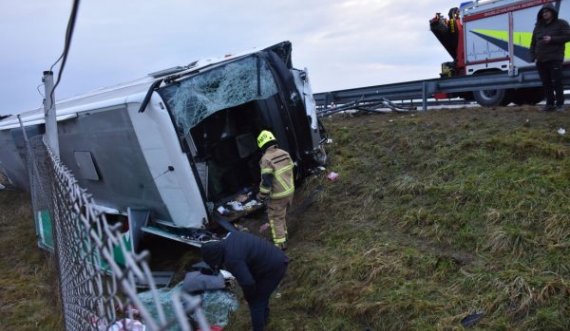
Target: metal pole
23,129
49,112
511,47
424,96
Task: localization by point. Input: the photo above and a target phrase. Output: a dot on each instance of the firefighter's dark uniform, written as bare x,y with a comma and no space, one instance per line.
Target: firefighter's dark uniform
277,188
257,265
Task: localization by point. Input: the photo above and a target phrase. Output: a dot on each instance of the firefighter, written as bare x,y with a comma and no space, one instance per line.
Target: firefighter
257,265
547,50
276,187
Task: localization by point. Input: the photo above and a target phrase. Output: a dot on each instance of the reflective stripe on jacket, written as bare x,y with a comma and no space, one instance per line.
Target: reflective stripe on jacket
277,163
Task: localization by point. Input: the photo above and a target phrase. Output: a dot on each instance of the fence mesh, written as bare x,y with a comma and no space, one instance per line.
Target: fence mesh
97,292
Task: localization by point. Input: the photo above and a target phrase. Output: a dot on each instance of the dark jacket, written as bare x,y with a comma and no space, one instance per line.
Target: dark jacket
249,258
557,29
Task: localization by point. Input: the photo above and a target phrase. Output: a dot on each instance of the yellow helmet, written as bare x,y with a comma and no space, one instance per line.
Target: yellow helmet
264,137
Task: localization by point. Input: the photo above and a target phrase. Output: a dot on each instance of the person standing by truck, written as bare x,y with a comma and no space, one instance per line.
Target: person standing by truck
547,50
277,186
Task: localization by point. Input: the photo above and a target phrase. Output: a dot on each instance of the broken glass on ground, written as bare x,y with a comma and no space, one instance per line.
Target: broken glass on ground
217,305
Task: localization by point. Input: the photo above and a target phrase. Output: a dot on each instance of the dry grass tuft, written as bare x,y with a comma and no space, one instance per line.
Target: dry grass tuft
521,297
512,240
556,287
557,230
408,185
494,216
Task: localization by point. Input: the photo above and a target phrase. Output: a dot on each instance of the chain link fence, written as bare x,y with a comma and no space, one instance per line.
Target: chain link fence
97,292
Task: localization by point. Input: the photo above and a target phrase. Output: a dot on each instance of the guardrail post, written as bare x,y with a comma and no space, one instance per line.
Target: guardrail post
424,96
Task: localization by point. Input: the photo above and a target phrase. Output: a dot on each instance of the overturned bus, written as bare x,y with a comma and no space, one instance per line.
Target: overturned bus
178,143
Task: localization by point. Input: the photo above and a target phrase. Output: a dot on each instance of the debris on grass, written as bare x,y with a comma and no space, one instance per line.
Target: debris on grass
332,176
472,320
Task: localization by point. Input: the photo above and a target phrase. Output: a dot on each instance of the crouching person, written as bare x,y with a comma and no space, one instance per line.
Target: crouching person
257,265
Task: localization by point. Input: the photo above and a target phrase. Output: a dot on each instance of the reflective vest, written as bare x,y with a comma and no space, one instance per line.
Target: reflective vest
276,170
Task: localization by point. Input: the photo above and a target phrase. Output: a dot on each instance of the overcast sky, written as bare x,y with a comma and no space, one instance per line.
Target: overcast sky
343,43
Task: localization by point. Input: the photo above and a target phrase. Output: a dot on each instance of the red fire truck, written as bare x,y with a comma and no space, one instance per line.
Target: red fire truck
491,36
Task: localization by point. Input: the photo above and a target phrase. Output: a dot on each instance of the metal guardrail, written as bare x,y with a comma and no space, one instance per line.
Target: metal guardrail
424,90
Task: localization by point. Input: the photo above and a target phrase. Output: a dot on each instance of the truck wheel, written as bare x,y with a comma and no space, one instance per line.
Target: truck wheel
492,98
528,96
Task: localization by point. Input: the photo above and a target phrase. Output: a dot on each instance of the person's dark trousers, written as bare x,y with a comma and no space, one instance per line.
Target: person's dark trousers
550,73
259,305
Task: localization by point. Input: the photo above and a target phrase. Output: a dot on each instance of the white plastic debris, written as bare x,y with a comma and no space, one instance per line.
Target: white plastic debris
226,274
561,131
236,205
251,204
222,210
332,176
329,141
527,122
127,324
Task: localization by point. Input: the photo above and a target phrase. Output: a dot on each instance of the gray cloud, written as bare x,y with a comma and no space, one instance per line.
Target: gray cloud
343,43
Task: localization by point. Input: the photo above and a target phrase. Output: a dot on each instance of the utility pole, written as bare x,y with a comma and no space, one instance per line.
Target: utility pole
49,113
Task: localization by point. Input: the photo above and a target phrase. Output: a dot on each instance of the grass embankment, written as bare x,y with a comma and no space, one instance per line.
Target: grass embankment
435,216
27,278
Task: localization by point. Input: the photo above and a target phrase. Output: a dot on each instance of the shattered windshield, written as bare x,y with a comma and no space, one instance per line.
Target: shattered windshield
193,99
